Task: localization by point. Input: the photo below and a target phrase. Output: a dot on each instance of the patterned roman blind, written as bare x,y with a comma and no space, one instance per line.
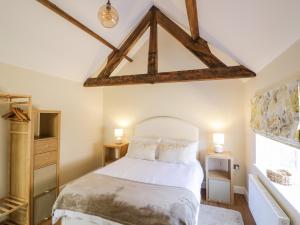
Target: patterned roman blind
275,113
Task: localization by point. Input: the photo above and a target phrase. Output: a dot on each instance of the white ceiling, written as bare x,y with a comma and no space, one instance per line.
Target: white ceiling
252,32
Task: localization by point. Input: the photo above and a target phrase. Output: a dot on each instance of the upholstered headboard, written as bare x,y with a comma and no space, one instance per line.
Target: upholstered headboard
167,127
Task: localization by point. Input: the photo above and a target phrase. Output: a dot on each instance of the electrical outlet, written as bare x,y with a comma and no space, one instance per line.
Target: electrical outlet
236,166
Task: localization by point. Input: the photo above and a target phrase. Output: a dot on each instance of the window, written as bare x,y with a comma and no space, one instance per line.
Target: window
273,154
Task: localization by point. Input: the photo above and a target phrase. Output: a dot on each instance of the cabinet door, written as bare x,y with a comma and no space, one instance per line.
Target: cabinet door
219,191
43,207
44,179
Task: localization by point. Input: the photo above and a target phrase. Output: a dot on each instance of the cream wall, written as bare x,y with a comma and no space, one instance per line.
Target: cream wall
212,106
172,56
283,69
81,124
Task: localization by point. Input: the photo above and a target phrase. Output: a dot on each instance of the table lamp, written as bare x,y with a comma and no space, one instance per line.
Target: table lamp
218,139
118,135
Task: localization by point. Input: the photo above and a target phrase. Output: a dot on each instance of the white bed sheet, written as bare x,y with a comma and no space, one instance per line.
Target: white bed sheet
154,172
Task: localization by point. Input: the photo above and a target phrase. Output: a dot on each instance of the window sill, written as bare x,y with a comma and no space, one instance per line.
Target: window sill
291,194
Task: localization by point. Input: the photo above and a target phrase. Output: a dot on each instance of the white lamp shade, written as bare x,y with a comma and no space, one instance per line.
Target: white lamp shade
119,132
218,138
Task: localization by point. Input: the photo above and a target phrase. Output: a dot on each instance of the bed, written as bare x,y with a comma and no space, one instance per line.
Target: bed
148,182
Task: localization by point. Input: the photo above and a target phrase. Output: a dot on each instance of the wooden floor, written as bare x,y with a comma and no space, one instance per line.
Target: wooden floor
240,205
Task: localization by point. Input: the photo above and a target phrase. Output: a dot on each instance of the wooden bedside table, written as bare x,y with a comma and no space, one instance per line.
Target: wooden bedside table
113,152
219,186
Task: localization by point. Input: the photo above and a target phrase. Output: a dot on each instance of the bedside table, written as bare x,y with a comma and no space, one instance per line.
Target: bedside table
113,152
219,186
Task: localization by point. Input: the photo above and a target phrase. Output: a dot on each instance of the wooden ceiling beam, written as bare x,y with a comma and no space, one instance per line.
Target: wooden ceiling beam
199,47
78,24
232,72
191,8
152,54
116,57
217,69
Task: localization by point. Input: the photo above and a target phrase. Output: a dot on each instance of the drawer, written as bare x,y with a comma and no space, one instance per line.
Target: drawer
45,145
44,159
44,179
43,207
219,191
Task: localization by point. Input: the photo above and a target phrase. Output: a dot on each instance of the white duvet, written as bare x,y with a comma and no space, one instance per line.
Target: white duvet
154,172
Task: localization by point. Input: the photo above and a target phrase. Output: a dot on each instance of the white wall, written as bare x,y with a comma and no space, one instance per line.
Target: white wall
282,70
212,106
81,124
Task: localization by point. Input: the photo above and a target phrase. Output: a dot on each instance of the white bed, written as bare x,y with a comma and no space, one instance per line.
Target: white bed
189,176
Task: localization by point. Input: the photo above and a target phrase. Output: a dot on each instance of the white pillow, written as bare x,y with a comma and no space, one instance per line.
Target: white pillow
177,151
143,148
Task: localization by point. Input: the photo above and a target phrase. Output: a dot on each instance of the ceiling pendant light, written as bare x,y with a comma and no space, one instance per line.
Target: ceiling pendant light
108,15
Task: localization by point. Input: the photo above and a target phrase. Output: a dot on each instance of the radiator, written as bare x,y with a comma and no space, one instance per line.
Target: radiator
263,207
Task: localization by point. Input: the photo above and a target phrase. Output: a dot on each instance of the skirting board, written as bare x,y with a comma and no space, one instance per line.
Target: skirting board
240,190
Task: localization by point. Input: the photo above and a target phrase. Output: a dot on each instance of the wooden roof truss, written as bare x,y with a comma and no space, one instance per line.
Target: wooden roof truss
194,43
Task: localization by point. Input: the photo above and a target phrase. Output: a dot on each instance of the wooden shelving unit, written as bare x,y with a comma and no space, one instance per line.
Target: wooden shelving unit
8,222
218,175
46,152
16,206
10,204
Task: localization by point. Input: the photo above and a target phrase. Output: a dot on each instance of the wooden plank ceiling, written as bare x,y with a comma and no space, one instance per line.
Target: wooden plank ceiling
194,43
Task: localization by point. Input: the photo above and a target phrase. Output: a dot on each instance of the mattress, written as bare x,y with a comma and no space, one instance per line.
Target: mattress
154,172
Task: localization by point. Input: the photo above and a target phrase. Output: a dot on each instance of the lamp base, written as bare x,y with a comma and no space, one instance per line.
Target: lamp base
118,140
219,148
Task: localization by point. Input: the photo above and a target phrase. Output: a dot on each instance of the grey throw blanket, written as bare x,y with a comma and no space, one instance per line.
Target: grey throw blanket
129,202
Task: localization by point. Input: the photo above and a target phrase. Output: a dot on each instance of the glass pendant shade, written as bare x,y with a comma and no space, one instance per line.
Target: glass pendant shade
108,15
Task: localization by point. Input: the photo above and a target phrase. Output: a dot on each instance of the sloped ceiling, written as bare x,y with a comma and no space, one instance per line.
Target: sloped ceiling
172,56
31,36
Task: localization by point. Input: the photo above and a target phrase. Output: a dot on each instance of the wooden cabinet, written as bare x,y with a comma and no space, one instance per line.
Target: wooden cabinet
113,152
219,186
45,164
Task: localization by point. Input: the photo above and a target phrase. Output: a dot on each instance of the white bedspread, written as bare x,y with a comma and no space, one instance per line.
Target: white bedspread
154,172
